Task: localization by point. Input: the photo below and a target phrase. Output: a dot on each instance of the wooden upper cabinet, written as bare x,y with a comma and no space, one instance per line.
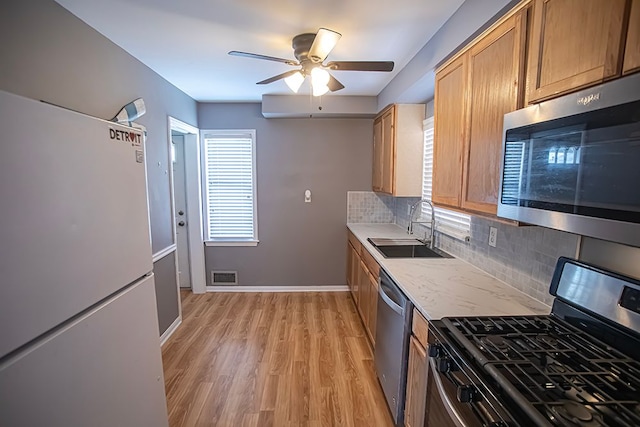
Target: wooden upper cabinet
573,44
473,92
495,82
398,150
388,150
377,155
450,111
632,48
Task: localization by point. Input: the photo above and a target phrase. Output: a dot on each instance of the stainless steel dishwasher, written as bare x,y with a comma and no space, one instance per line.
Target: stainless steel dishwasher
392,344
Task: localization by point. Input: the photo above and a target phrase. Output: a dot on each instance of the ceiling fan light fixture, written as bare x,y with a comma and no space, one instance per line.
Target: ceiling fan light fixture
310,51
323,44
319,81
319,90
294,81
320,76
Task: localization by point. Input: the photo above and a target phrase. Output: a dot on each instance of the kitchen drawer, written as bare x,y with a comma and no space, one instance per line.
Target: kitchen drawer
420,327
371,263
355,243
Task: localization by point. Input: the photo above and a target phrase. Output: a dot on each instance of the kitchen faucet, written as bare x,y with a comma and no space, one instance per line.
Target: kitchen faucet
433,219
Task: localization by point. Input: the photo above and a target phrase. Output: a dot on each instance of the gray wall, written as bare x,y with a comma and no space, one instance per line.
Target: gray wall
415,82
167,296
49,54
300,244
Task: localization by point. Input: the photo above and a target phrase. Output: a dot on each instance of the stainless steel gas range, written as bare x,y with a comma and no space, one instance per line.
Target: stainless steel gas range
578,366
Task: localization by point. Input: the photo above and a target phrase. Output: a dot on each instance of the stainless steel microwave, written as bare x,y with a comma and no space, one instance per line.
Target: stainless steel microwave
573,163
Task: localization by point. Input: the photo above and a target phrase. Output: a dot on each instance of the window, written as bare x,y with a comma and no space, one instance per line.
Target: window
454,224
230,187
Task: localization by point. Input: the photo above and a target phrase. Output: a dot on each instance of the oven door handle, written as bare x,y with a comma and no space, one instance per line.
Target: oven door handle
456,417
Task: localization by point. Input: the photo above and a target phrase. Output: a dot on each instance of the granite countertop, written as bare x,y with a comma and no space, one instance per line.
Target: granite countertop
441,287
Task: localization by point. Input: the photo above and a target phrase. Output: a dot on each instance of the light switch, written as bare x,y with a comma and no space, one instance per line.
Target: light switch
307,196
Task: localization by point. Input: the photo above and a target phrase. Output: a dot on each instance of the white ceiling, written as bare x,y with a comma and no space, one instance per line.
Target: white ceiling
187,41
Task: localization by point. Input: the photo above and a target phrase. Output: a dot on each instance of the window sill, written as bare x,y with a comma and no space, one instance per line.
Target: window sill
231,242
464,236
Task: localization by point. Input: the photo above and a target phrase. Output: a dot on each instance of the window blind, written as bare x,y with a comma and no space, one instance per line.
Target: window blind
229,169
449,222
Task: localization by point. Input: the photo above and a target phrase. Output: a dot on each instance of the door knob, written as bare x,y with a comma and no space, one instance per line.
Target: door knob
181,223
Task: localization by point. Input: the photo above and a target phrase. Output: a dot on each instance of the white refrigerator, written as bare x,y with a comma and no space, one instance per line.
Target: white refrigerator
79,340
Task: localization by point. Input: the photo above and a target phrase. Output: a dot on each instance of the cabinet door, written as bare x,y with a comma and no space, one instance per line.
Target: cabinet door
377,155
450,129
416,398
574,43
351,266
388,150
496,68
373,307
632,48
355,275
363,293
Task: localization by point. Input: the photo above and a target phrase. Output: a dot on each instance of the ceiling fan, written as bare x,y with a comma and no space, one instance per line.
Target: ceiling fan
310,51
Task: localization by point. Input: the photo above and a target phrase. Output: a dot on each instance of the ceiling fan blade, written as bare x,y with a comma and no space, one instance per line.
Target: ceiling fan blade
323,43
334,85
278,77
268,58
361,65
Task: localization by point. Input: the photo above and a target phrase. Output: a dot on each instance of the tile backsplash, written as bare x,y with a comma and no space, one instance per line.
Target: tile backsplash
524,257
370,207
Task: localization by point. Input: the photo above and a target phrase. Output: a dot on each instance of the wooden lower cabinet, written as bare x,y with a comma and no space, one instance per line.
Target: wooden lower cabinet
362,278
363,292
417,372
373,307
368,299
416,385
353,267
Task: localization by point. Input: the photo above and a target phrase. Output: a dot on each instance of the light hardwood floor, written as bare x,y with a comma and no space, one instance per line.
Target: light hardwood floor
271,359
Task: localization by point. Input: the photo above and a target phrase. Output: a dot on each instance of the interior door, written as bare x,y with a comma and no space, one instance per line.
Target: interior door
180,201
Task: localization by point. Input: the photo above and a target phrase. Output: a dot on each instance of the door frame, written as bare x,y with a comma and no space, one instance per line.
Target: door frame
194,202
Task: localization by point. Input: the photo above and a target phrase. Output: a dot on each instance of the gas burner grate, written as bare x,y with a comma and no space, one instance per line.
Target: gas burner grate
560,372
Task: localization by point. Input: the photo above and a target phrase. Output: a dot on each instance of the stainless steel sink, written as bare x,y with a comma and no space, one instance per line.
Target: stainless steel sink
406,248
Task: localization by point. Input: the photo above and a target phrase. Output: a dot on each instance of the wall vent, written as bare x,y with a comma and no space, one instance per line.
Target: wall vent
224,278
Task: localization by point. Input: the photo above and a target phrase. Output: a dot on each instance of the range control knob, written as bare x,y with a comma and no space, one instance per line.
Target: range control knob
445,364
434,350
467,393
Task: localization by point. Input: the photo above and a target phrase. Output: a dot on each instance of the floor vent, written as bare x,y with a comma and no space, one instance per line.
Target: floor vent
224,278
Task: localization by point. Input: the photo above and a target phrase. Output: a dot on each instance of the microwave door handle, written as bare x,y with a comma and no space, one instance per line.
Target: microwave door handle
388,301
456,417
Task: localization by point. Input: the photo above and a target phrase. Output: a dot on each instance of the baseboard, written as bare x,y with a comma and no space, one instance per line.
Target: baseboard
330,288
170,330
